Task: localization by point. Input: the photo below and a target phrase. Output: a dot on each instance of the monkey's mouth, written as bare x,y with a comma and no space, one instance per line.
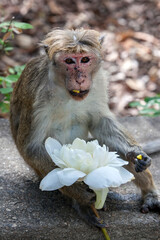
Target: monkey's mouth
78,94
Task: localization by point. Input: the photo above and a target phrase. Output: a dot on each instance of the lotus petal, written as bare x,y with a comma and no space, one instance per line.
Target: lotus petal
51,144
79,144
57,160
101,155
115,161
68,176
125,175
51,181
105,177
91,146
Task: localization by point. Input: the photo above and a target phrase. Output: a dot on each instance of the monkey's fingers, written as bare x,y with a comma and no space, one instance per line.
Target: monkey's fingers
151,203
147,208
87,214
141,160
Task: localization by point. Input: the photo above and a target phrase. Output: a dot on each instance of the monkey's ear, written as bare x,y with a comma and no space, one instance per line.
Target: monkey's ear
46,48
101,39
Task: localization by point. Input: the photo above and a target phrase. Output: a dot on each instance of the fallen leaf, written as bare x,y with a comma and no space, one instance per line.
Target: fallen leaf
135,84
54,8
7,35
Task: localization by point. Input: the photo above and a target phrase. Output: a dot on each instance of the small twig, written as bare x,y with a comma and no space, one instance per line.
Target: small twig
103,229
10,23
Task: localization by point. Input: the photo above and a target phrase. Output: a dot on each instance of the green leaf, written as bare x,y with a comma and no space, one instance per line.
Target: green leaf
4,107
22,25
11,70
147,99
6,90
1,41
19,69
135,104
8,48
11,78
4,24
2,78
150,112
4,30
7,97
157,113
147,110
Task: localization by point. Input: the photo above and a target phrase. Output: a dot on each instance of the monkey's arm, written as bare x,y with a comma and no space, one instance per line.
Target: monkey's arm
109,132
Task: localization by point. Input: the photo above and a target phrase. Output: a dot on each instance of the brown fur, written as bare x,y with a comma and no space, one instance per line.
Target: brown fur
76,41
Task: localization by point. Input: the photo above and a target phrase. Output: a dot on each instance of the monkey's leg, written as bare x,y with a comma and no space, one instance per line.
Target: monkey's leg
145,182
82,199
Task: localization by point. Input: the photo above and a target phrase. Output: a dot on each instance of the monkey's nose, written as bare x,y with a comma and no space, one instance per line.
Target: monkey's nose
80,80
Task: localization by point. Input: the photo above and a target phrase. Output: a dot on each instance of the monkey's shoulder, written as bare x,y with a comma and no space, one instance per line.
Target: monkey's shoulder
31,78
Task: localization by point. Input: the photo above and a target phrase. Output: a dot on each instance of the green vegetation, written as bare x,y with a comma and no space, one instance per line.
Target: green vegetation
150,107
7,31
6,88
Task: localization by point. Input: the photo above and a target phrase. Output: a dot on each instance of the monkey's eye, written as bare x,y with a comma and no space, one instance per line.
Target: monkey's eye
69,61
85,60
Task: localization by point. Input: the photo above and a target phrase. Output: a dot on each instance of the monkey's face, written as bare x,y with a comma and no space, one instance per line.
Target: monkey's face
76,71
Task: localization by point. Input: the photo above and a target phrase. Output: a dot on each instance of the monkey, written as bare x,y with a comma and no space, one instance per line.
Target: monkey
64,94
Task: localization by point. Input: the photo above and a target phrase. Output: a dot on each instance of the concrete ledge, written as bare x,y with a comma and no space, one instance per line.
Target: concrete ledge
28,213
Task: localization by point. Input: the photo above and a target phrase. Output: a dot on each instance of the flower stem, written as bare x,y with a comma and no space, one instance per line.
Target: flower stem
103,229
100,197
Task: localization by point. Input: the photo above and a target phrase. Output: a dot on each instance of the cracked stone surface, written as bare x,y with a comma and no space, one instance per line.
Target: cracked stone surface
28,213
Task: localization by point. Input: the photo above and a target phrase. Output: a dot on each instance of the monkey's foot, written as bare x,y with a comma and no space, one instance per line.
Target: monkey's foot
151,203
86,213
142,163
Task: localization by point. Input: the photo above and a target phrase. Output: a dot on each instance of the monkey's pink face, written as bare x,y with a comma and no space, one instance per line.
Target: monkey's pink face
78,69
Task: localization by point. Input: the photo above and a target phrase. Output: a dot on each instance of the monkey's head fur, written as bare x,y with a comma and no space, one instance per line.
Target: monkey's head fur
75,56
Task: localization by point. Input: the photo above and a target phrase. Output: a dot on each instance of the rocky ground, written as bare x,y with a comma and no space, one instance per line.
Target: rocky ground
131,46
27,213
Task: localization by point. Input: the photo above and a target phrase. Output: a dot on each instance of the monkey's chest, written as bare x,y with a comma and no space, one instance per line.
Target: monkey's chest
67,131
67,135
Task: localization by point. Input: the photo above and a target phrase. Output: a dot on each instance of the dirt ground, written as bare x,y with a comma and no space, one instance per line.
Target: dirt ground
131,44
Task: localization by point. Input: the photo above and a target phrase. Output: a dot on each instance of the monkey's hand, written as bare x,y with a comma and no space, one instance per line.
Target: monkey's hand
151,202
141,160
82,198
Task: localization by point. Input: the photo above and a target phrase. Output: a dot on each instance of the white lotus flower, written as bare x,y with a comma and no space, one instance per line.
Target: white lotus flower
87,162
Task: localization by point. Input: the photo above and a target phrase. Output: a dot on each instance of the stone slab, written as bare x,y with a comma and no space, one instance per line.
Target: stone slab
26,213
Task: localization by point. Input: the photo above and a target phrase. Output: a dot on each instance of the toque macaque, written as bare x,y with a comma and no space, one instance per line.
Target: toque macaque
63,94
